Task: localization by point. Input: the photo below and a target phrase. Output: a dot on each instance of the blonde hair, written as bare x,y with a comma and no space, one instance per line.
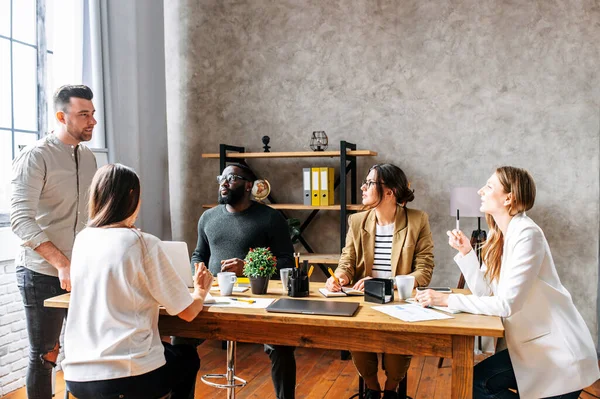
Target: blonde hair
519,183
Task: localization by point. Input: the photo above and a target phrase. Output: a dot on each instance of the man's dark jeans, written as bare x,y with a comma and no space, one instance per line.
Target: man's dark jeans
43,326
283,366
493,377
283,370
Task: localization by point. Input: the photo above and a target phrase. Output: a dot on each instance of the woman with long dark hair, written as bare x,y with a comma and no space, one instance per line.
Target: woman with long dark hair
549,351
387,240
120,276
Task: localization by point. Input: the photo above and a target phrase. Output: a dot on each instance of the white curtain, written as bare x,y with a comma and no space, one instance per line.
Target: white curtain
123,53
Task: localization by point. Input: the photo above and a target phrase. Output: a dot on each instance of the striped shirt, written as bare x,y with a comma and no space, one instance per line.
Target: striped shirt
382,262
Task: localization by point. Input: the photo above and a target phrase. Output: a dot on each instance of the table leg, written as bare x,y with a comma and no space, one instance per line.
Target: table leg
462,366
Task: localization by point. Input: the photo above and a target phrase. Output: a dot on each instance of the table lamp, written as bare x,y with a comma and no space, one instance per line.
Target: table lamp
465,202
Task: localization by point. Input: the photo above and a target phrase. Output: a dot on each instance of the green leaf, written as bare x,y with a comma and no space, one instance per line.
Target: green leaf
260,262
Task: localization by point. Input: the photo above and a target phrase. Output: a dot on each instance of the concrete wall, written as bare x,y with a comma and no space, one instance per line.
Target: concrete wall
447,90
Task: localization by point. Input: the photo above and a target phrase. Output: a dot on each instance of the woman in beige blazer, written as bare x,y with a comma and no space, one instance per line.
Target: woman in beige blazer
383,242
550,349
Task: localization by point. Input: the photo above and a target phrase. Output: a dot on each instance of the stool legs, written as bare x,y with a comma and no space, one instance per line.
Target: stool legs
231,369
232,382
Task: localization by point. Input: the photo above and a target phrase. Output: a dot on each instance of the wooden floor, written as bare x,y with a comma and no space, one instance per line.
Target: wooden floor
321,374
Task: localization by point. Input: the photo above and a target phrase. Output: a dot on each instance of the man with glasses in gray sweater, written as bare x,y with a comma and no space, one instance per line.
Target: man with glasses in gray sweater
225,235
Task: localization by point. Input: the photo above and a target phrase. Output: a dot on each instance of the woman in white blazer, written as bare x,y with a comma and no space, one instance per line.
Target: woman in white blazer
550,349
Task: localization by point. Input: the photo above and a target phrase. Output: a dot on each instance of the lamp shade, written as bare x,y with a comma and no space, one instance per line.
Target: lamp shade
466,200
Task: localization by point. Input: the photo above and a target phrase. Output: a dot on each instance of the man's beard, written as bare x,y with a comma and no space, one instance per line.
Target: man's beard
234,196
80,135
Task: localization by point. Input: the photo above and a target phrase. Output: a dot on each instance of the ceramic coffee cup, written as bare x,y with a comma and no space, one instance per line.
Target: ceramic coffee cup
405,285
226,282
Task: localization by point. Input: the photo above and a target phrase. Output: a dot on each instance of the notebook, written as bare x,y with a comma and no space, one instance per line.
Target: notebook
346,291
177,251
308,306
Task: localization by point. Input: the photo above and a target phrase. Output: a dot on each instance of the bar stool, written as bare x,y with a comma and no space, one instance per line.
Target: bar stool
232,382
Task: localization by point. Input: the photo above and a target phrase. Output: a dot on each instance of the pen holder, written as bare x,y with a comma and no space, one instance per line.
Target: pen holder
298,286
379,290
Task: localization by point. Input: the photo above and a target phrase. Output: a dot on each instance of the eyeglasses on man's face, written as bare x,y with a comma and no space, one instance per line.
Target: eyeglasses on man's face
230,178
369,183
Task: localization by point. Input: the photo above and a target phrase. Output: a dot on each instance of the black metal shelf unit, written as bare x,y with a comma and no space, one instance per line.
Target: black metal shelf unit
348,165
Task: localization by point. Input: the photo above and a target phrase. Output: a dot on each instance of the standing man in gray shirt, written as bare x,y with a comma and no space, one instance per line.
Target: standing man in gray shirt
48,207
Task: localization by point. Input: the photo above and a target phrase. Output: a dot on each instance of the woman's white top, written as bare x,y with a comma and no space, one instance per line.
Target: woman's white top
119,278
550,346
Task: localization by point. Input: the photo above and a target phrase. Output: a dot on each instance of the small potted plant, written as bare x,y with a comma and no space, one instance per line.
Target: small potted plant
259,266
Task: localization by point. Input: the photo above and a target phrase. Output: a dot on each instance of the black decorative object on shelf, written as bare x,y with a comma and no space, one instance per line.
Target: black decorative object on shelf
265,141
318,141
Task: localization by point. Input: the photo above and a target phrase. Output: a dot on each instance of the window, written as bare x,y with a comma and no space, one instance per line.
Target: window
30,72
19,124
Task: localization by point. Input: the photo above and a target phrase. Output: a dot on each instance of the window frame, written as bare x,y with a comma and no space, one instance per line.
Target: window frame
41,111
42,85
11,41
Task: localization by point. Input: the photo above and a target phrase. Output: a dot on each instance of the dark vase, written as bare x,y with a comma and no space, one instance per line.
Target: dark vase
259,285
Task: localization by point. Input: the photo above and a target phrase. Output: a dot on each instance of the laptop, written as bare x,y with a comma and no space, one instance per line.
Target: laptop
177,251
307,306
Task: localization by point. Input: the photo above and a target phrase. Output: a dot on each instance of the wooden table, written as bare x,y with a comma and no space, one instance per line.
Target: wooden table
369,330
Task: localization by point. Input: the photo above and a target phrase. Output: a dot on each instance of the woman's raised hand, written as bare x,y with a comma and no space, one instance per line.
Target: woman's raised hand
459,241
202,279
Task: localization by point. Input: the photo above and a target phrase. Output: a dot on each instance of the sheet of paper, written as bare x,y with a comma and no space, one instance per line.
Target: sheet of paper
411,312
442,308
227,302
235,289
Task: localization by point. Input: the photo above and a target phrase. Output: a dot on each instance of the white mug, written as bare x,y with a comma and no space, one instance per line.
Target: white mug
405,286
226,282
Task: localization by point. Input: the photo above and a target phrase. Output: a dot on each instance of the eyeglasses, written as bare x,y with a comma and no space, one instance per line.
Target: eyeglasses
369,183
230,178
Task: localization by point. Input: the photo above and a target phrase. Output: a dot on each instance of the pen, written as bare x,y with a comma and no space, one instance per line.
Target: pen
457,220
243,300
333,275
310,270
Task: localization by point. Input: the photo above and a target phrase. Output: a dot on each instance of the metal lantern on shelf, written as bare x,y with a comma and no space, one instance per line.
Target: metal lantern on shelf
319,141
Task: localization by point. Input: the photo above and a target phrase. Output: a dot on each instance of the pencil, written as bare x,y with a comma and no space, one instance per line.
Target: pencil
243,300
310,270
333,275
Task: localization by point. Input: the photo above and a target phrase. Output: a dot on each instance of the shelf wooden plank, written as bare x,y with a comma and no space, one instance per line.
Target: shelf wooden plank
327,259
300,207
292,154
